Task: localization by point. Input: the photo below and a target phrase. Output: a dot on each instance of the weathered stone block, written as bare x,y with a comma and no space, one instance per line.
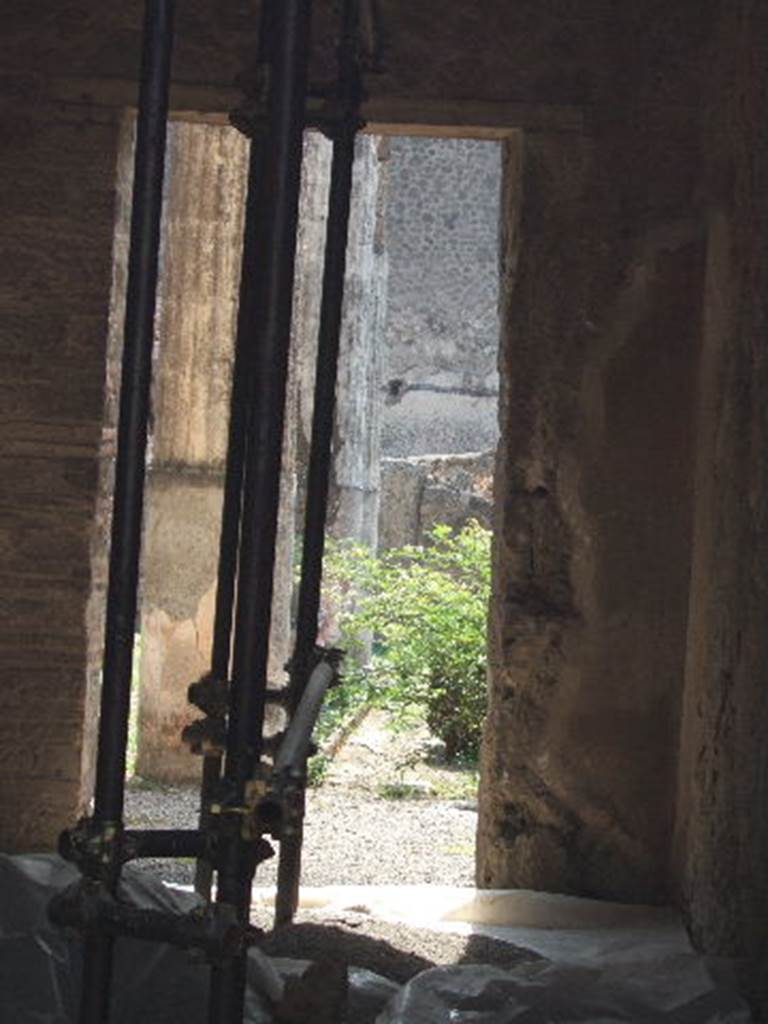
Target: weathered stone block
424,491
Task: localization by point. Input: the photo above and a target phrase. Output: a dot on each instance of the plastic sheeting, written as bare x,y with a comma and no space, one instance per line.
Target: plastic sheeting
606,962
680,990
40,964
647,975
567,929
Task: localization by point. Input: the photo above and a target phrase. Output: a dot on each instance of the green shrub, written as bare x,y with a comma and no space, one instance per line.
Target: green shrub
424,610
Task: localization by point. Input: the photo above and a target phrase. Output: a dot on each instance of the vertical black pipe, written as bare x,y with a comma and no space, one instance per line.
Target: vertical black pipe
130,467
134,407
265,434
323,414
271,339
324,408
256,216
242,388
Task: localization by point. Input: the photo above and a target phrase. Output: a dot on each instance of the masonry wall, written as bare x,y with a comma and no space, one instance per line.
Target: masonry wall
627,624
424,491
592,548
439,374
722,830
56,199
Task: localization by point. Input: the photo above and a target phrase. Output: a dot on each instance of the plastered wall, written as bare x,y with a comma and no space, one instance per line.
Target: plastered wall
592,548
721,844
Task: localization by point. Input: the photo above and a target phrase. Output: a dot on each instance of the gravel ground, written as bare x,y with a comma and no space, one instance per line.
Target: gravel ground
356,836
351,838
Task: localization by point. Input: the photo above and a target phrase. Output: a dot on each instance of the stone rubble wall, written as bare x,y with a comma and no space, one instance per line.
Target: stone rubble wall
440,350
428,490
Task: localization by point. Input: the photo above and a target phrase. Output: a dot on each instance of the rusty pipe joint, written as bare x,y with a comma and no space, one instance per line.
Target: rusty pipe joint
210,694
94,846
206,736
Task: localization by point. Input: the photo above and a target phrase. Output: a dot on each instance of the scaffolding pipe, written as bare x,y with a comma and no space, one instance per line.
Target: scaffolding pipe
229,841
164,842
283,807
344,132
242,387
91,907
134,409
130,470
271,339
240,405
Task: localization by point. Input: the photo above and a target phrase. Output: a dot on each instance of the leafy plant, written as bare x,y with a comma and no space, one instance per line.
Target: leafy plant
403,791
317,769
413,621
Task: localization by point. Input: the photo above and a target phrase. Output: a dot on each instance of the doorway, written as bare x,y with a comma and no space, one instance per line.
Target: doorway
417,403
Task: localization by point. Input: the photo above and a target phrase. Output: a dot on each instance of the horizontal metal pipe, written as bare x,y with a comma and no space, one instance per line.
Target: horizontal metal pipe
91,907
164,843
